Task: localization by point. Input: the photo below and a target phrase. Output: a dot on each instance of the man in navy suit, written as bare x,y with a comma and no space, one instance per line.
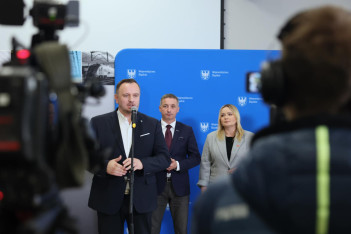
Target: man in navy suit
109,194
173,183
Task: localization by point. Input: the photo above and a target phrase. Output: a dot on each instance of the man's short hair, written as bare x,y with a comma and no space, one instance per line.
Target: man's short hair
169,95
316,58
129,81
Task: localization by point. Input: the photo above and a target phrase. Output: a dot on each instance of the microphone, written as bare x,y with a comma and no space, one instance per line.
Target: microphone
134,115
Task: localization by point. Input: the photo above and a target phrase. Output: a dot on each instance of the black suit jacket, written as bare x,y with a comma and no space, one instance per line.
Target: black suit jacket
184,150
107,191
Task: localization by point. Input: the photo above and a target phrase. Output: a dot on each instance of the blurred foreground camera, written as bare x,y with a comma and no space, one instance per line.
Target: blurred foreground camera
45,143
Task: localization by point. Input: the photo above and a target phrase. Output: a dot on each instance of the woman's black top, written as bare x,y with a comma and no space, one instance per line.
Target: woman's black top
229,144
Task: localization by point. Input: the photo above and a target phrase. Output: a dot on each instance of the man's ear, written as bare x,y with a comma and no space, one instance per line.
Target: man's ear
116,98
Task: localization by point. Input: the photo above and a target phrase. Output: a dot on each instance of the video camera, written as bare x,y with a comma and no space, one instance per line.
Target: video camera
45,143
254,80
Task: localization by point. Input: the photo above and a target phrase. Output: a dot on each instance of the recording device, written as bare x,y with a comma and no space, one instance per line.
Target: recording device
45,143
253,82
270,83
134,115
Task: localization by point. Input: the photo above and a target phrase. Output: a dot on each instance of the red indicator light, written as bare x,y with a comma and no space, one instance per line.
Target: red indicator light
1,195
23,54
9,146
6,120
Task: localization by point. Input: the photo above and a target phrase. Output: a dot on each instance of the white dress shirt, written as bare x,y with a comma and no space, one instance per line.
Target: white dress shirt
126,132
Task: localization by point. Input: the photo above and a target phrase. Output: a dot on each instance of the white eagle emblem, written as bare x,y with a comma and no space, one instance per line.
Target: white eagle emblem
242,101
131,73
204,126
205,74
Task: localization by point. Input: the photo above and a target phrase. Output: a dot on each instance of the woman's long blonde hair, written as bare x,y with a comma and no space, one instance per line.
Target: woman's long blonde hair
239,129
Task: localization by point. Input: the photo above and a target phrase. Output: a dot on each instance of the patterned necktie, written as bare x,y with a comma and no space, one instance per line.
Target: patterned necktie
168,136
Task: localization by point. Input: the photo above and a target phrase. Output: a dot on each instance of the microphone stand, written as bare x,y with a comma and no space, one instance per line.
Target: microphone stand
131,182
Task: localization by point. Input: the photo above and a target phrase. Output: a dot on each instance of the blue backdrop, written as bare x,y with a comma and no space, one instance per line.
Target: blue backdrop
203,80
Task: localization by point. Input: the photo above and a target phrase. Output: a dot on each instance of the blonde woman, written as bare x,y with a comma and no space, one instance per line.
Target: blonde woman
224,148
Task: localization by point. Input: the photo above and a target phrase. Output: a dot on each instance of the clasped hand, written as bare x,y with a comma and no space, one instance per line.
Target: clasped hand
116,169
172,166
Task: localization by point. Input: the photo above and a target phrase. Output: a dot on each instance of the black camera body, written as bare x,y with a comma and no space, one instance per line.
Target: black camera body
23,137
23,112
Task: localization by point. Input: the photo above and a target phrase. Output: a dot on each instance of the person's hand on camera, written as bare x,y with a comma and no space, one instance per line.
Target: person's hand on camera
114,168
138,165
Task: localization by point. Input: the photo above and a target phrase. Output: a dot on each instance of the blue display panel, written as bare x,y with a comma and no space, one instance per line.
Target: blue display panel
203,80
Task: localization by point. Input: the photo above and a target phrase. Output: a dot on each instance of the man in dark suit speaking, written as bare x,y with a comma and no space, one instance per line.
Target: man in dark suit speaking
173,184
109,194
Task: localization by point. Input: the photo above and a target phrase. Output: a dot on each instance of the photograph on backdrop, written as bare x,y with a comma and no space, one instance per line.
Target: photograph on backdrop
99,65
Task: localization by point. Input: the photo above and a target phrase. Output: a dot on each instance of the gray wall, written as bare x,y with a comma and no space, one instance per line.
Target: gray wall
253,24
112,25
